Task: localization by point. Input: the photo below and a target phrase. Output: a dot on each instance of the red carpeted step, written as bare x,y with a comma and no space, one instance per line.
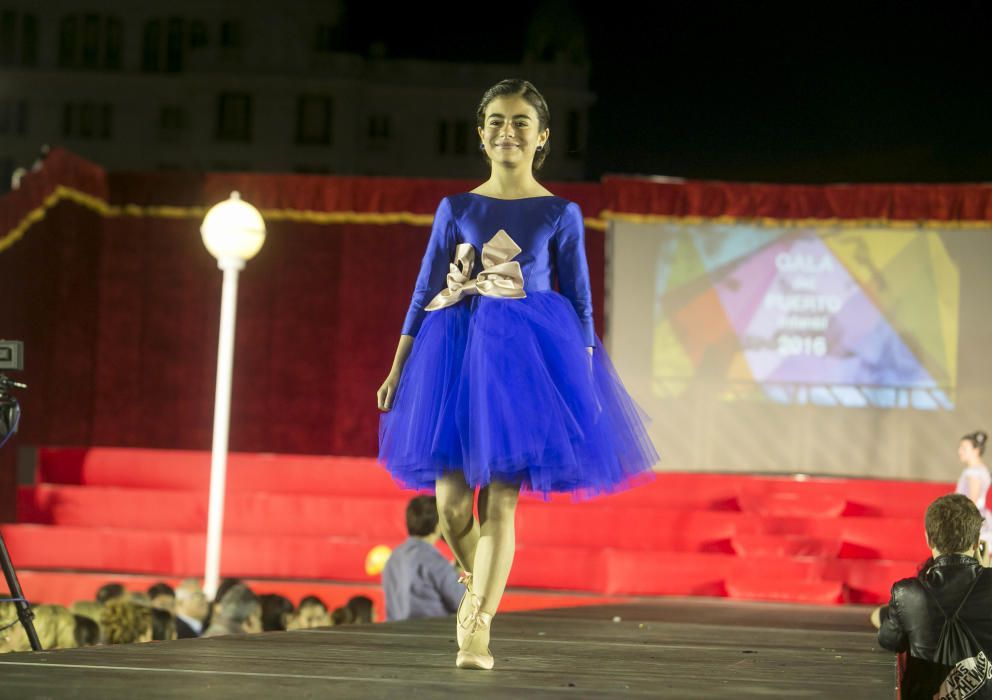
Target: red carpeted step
794,503
751,587
186,512
785,546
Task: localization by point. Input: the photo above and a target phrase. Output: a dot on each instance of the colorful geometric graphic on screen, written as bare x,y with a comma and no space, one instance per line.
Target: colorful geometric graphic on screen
832,317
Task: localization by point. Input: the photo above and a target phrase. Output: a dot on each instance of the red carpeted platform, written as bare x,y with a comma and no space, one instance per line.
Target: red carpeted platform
291,517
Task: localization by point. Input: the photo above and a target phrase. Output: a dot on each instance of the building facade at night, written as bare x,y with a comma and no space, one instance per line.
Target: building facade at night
196,85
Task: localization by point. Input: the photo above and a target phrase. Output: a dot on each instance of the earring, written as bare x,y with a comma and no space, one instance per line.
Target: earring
482,146
540,148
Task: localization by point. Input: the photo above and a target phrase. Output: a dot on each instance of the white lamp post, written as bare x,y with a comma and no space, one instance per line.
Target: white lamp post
233,232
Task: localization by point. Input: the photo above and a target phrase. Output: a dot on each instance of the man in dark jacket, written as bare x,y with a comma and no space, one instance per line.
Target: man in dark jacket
912,621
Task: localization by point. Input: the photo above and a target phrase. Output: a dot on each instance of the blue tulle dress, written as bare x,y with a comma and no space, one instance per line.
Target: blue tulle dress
499,383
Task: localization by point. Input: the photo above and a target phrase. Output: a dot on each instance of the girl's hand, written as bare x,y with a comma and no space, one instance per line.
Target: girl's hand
386,392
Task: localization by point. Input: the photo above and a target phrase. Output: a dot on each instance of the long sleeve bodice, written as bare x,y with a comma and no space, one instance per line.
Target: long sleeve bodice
549,230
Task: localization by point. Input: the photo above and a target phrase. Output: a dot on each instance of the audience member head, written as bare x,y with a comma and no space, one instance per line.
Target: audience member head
311,613
109,591
86,631
421,516
161,596
362,609
163,625
239,610
87,608
972,447
54,624
222,588
276,610
342,616
953,525
191,601
124,622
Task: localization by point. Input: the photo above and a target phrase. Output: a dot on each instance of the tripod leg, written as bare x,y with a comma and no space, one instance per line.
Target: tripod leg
24,612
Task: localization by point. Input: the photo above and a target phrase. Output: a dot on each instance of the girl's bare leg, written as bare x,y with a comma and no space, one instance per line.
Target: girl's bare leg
496,547
459,526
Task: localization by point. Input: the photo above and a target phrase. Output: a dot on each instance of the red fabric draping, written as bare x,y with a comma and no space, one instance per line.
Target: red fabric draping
654,196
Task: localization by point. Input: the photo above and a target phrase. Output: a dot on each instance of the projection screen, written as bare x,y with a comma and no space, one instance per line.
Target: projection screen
854,350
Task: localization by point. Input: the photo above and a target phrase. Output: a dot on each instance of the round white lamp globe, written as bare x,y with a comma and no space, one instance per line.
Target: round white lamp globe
233,230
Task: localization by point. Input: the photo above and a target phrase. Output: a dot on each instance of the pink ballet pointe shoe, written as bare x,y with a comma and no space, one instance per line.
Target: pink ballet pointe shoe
466,579
477,623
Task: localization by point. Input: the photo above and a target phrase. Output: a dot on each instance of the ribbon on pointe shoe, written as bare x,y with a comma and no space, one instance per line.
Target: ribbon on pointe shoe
500,276
466,580
477,619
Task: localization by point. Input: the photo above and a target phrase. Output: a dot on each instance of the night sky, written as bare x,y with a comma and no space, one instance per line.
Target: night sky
836,92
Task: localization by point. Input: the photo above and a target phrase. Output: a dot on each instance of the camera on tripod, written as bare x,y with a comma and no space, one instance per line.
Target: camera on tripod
11,358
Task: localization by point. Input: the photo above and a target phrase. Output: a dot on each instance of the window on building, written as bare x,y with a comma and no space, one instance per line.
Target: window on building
6,173
230,34
197,35
91,41
379,126
442,136
172,122
174,45
8,35
234,117
29,40
87,120
314,120
68,41
21,117
572,134
113,51
88,115
461,137
152,45
13,117
106,121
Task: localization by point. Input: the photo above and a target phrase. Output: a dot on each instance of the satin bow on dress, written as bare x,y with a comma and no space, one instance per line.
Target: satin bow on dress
500,275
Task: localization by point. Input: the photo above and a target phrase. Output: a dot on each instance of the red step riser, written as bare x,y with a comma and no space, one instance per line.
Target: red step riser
310,475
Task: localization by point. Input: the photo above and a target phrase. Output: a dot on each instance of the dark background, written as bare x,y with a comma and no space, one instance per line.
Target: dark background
775,92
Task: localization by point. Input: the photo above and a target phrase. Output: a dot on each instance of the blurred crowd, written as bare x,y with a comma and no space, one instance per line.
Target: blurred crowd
119,616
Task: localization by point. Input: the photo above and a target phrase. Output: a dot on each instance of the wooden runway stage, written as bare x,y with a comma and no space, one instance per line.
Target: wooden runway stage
670,648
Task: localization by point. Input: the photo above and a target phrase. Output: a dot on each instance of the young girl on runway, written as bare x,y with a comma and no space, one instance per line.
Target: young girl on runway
975,479
507,387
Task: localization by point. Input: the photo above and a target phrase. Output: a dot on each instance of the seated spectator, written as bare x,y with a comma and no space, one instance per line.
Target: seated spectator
161,596
362,610
124,622
86,632
311,613
912,621
222,588
54,625
342,616
191,609
109,591
276,611
87,608
237,612
417,580
163,625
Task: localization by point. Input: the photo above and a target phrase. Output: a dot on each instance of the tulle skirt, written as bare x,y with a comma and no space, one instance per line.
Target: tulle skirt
505,389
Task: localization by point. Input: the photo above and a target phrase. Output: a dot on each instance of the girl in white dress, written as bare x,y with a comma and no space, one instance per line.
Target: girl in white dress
976,479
